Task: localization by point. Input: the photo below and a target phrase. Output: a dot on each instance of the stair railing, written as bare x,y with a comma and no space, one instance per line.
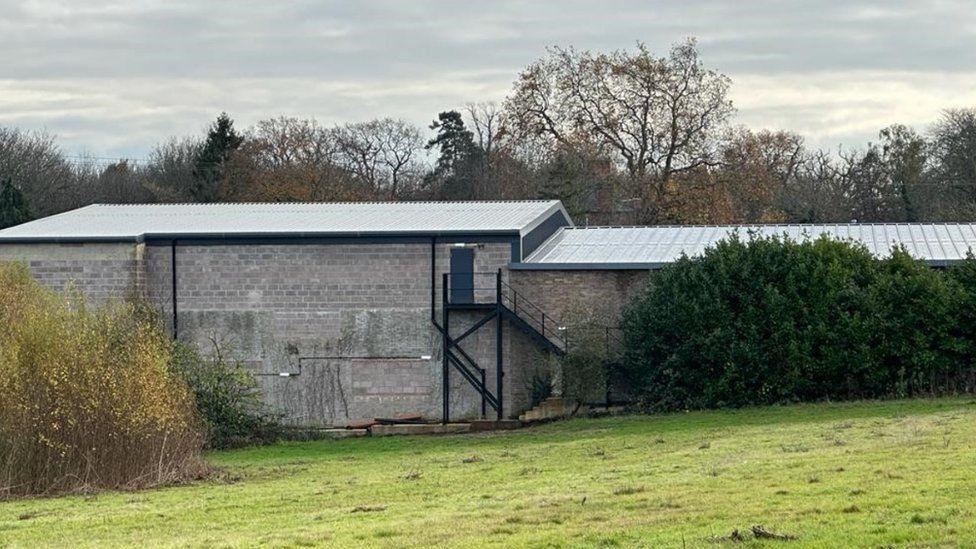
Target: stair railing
531,313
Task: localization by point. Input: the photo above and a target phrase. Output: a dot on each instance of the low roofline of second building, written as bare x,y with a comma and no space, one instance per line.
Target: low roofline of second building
641,266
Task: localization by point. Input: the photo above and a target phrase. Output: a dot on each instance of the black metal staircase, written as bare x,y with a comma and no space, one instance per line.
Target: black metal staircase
500,303
532,320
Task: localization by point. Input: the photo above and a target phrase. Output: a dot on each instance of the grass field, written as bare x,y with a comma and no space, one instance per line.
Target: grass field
864,474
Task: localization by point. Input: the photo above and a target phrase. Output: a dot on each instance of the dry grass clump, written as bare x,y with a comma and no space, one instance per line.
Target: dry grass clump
87,400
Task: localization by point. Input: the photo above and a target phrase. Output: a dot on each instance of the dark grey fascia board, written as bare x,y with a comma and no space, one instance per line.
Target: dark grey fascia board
329,234
70,239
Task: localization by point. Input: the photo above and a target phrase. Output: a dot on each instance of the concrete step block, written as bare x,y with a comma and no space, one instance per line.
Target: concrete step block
551,408
345,433
420,429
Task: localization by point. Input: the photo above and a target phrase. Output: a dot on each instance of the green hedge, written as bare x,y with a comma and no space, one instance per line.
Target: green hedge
767,320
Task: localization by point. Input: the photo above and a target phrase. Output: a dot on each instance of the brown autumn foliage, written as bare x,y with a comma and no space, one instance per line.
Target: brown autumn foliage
88,400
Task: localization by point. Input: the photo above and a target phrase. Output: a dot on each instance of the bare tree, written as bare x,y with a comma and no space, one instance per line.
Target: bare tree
905,154
289,159
169,171
121,183
360,148
659,116
286,141
486,121
35,163
382,154
953,153
755,170
819,192
400,147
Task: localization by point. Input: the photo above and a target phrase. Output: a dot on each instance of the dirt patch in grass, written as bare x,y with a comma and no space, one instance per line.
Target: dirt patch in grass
628,490
762,533
368,508
412,475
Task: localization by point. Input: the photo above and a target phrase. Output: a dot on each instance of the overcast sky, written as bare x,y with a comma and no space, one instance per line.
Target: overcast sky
113,78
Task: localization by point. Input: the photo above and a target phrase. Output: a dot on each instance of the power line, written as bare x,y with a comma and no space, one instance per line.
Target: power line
113,158
105,161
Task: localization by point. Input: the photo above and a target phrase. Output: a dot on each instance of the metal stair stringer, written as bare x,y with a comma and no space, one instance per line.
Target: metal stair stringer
528,329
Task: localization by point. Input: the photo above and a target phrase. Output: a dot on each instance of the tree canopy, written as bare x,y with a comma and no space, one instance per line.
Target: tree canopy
621,137
222,140
14,209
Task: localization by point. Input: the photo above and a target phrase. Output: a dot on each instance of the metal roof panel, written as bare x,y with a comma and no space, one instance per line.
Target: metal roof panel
619,246
136,221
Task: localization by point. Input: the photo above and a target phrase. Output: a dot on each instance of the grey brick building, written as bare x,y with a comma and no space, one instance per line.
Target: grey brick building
353,311
338,309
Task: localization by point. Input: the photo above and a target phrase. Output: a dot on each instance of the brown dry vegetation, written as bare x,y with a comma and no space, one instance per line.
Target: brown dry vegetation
88,401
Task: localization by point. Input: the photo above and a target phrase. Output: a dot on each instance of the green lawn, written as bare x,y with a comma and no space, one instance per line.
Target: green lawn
864,474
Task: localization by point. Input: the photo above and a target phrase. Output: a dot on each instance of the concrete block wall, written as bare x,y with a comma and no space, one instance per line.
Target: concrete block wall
353,319
100,271
562,293
524,360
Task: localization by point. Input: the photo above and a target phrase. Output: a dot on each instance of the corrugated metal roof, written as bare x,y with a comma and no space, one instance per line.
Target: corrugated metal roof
649,247
136,221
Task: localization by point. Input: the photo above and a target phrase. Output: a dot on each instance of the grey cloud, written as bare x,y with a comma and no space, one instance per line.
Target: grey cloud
410,59
352,39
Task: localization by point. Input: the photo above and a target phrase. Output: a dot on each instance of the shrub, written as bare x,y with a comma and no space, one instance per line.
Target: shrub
962,278
586,367
771,320
227,397
87,399
540,388
913,329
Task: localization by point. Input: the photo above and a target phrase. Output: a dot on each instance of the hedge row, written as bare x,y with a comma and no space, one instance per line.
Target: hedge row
768,320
